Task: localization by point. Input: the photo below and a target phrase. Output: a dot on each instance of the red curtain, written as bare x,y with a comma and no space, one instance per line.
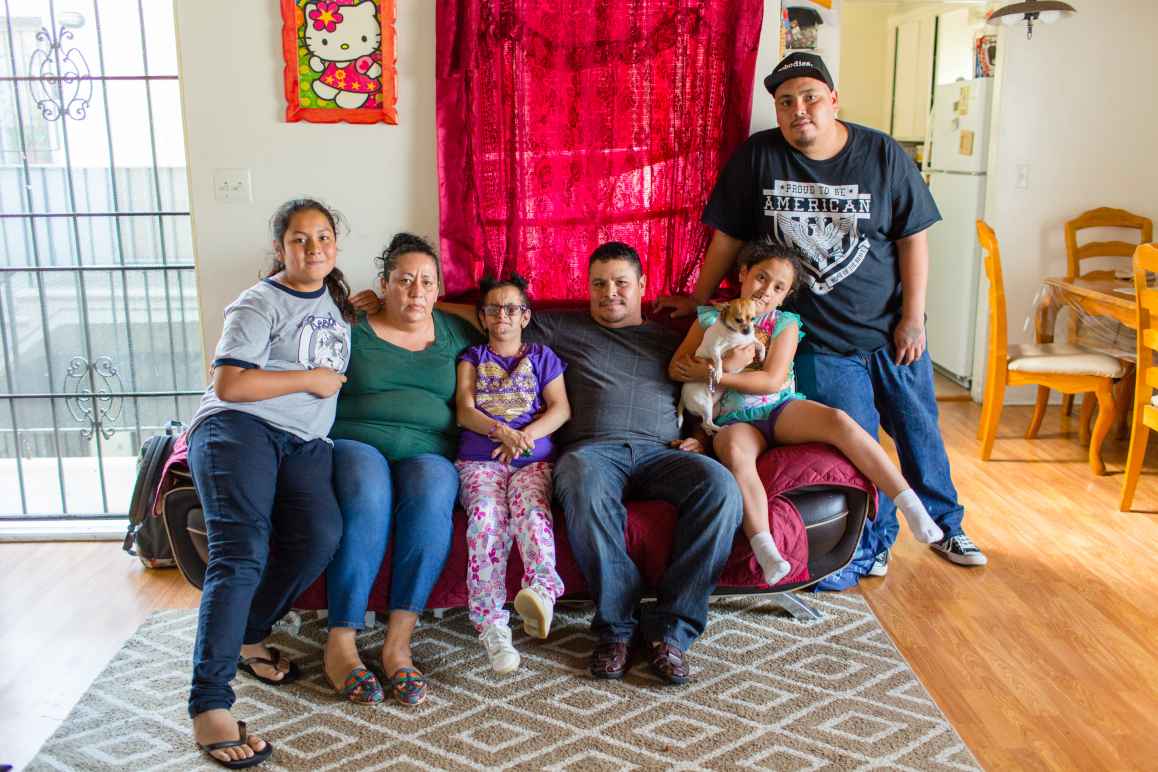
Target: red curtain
565,124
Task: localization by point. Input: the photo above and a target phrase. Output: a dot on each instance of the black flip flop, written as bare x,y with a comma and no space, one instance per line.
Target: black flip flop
252,761
246,666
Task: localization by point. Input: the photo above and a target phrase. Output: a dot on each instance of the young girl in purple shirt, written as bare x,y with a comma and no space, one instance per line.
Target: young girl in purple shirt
510,398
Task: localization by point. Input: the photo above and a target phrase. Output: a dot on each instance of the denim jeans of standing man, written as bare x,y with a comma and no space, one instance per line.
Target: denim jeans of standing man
879,394
272,524
591,482
411,500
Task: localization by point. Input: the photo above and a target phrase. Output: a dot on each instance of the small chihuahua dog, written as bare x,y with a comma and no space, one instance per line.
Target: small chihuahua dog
735,327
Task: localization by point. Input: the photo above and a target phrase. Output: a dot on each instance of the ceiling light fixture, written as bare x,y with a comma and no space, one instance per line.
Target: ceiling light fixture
1029,11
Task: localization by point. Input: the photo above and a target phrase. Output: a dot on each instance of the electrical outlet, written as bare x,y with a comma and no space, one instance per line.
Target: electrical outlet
231,186
1023,176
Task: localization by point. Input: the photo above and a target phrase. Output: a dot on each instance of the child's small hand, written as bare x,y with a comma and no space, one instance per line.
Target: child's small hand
739,358
504,454
508,452
525,443
324,382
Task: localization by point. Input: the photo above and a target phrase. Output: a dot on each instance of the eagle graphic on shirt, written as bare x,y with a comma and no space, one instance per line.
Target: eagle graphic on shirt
824,223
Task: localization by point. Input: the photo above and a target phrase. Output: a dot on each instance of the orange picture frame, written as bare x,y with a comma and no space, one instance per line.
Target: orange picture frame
339,61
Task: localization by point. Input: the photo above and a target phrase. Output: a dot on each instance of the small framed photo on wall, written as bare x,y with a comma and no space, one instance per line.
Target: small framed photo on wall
339,61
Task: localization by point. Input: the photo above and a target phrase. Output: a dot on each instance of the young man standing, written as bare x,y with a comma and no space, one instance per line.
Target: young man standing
851,200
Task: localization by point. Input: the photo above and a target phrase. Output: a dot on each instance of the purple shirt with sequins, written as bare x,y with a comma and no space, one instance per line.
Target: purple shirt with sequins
509,389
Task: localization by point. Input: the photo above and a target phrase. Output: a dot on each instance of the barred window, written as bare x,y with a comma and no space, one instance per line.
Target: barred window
99,337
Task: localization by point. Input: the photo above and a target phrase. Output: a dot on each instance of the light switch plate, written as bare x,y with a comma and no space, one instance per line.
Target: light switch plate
232,186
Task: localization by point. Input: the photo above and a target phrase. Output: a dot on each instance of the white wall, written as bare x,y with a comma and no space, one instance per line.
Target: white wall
382,178
768,56
1077,105
866,47
864,63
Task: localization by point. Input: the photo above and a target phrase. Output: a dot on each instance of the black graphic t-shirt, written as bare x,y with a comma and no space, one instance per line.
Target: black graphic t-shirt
845,214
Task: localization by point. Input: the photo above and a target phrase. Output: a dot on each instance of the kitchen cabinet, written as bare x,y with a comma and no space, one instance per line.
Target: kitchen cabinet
914,52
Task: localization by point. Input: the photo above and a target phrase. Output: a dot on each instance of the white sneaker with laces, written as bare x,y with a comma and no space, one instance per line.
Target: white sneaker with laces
537,610
880,565
961,550
501,652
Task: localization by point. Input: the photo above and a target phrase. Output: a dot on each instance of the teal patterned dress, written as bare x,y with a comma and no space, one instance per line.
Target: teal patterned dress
735,407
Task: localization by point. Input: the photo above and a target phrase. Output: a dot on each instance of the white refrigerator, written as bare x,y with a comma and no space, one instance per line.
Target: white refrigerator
955,161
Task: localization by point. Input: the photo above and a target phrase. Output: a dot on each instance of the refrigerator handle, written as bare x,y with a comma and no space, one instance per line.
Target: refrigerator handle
928,162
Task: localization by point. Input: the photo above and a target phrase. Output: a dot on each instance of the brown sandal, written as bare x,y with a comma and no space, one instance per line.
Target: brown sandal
668,662
611,659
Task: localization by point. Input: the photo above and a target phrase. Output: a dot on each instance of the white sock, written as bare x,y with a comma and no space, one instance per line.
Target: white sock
771,563
918,519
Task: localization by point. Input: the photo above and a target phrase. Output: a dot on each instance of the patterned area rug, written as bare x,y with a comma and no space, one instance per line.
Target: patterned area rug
767,692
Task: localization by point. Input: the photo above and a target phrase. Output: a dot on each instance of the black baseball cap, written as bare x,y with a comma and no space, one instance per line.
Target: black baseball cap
798,65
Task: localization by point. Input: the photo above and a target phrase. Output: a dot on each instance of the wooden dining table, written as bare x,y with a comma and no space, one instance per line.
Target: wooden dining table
1100,296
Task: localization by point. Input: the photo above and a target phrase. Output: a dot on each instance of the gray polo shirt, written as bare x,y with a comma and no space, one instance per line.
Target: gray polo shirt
617,381
273,327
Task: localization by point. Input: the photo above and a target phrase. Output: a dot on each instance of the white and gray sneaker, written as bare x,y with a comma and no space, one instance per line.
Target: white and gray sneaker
880,565
537,608
501,652
961,550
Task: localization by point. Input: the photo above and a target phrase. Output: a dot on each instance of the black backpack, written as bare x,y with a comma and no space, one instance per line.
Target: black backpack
146,537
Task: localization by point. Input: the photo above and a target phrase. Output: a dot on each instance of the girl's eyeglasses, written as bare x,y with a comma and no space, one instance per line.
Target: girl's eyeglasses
510,310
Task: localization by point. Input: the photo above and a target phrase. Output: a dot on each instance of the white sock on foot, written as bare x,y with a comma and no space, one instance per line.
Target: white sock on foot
771,563
917,517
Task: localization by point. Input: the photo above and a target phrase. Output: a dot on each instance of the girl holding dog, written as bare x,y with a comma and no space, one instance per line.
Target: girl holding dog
760,407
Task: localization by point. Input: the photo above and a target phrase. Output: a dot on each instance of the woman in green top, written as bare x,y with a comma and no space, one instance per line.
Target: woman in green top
394,437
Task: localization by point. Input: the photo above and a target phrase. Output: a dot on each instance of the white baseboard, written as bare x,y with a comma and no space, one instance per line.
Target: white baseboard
63,530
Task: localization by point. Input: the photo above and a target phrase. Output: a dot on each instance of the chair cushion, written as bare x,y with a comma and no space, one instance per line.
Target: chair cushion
1063,358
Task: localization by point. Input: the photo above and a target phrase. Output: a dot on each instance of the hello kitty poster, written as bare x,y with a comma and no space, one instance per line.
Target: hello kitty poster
339,60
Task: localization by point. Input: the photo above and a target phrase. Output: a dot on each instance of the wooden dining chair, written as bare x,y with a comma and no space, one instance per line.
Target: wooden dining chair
1146,377
1102,217
1066,367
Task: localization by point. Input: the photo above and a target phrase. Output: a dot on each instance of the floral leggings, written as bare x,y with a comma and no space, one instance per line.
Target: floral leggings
505,504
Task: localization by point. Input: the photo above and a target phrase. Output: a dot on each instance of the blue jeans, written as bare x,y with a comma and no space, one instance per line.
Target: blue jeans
414,497
591,483
272,524
878,394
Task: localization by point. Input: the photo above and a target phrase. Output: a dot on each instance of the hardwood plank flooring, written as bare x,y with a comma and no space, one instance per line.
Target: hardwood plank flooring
1045,659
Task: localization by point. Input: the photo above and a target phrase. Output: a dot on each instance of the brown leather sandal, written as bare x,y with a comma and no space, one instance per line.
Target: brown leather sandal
611,659
668,662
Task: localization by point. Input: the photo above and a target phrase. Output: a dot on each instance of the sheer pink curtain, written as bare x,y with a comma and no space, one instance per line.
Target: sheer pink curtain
562,125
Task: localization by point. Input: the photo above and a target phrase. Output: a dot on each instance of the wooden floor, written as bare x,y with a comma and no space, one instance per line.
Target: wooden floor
1045,659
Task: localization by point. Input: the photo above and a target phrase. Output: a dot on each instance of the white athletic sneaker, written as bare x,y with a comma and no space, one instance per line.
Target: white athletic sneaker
497,641
537,610
880,566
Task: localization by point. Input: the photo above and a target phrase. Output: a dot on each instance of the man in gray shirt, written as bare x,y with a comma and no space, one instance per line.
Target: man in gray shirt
620,441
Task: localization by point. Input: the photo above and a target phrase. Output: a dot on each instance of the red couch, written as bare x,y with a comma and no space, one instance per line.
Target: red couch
818,505
818,500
